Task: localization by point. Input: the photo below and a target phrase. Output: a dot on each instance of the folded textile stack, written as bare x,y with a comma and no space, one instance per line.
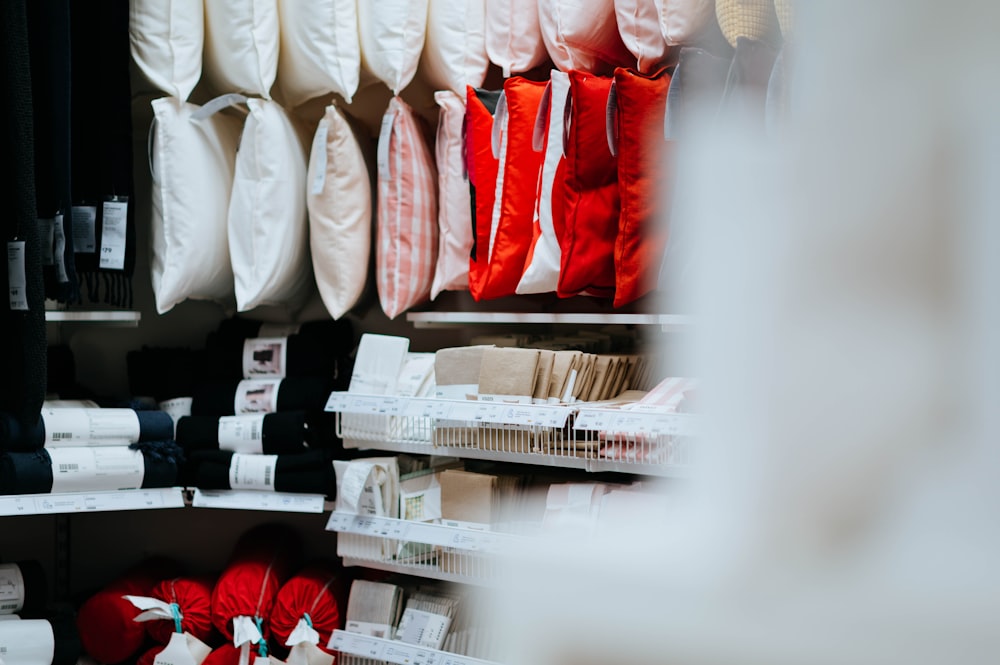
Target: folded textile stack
75,449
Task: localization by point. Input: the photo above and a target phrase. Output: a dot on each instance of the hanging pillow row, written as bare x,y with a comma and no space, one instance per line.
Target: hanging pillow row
244,210
298,50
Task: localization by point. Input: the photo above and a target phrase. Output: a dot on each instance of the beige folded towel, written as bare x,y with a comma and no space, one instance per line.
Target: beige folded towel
508,372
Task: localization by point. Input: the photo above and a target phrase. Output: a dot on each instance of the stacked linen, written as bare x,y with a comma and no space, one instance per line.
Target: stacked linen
266,431
78,449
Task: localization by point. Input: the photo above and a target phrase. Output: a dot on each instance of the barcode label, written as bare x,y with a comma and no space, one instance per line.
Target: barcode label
66,468
60,436
9,606
252,472
267,475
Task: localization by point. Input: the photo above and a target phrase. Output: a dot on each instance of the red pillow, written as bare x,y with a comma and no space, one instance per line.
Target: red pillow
105,621
482,167
262,560
644,180
517,182
314,591
591,191
194,597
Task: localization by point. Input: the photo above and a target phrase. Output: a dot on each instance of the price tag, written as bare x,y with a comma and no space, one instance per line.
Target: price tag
337,402
18,283
113,228
84,229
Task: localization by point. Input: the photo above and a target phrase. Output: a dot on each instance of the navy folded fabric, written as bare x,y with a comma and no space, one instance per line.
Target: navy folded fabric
153,426
306,473
313,351
281,433
294,394
31,472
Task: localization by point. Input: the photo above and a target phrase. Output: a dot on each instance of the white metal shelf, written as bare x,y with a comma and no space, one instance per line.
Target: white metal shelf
647,442
92,502
427,571
105,317
421,532
285,502
668,322
399,653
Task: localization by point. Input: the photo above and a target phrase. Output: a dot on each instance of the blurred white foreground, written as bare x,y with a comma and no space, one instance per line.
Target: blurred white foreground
848,292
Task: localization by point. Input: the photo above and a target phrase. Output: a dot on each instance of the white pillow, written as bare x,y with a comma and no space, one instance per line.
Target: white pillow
582,35
167,39
454,199
268,228
193,163
320,52
455,50
241,45
683,22
392,37
639,27
541,273
340,213
513,36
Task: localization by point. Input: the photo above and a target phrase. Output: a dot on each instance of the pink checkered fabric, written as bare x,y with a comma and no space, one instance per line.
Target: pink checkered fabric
407,212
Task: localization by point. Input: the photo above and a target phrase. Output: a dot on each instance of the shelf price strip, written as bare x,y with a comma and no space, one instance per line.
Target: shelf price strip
457,410
395,652
429,534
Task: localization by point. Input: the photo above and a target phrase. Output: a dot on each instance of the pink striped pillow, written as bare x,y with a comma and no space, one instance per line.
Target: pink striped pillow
407,212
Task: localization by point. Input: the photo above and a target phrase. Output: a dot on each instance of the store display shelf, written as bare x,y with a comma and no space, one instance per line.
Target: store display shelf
284,502
91,502
467,411
105,317
421,532
649,441
668,322
399,653
427,571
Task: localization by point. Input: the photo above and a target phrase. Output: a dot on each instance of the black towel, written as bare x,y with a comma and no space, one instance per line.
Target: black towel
293,394
307,473
165,373
281,433
102,139
22,333
153,426
31,473
49,35
17,639
313,351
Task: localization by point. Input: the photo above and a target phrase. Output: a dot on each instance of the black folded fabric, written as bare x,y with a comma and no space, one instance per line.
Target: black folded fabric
61,372
313,351
35,589
281,433
31,472
306,473
294,394
18,640
68,648
153,426
22,332
165,373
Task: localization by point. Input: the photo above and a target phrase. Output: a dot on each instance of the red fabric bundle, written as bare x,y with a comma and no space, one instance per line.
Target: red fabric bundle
227,654
149,656
262,561
511,227
314,591
644,178
105,621
591,191
482,166
194,597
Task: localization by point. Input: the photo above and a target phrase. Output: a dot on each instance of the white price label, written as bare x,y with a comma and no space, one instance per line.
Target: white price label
80,427
46,229
16,279
242,434
257,396
114,222
11,588
59,250
265,357
84,229
91,469
252,472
